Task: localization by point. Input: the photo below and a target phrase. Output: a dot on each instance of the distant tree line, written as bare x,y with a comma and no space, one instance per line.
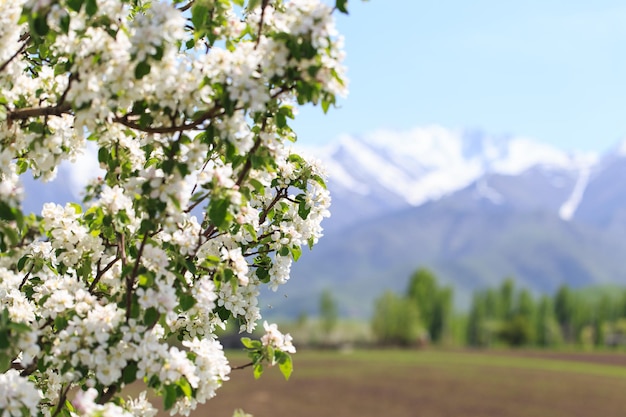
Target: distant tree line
501,316
422,315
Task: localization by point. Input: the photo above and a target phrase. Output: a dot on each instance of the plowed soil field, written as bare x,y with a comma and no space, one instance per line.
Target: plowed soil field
430,384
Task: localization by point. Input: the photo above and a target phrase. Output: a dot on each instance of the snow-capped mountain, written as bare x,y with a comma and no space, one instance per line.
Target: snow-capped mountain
403,169
475,208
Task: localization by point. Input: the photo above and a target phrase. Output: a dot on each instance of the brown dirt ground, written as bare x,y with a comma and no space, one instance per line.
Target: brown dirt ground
606,358
334,385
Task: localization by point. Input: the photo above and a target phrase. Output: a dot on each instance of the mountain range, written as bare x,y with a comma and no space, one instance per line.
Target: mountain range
474,208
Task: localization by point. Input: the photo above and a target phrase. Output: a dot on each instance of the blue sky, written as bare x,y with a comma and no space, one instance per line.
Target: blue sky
552,70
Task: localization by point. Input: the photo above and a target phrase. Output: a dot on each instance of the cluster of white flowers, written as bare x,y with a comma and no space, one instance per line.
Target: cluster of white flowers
275,339
18,394
71,239
86,406
200,205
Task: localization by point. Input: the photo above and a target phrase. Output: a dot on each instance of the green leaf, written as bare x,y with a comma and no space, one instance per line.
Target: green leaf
5,211
319,180
103,155
251,344
22,166
19,327
296,252
263,275
5,362
199,13
187,301
64,23
142,69
218,211
77,207
285,364
253,3
326,105
75,4
91,7
129,374
60,323
169,397
22,262
342,6
223,313
185,387
239,2
281,120
152,316
4,339
258,370
303,210
247,342
40,25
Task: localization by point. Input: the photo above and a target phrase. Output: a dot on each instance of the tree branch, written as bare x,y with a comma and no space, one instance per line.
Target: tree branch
130,280
247,365
24,39
101,273
62,397
258,35
187,6
28,112
106,396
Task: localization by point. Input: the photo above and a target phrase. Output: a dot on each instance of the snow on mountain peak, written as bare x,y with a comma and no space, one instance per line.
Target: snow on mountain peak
427,163
417,165
524,153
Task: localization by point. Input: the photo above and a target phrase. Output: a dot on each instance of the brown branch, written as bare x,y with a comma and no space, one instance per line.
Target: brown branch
258,36
62,399
26,277
27,113
130,280
24,39
282,193
247,365
186,6
101,273
106,396
214,112
24,371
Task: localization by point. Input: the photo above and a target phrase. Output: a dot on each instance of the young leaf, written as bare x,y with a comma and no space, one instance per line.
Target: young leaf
185,387
285,364
342,6
258,370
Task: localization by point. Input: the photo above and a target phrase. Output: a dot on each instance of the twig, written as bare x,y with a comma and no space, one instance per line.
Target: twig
247,365
106,397
258,36
19,51
187,6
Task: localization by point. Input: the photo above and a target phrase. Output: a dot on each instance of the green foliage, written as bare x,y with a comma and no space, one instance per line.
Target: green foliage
329,313
265,355
505,316
433,302
396,321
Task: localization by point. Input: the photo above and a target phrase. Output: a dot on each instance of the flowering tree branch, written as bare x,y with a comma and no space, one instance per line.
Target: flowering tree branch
201,204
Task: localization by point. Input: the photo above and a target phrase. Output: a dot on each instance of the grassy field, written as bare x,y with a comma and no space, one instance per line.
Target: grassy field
430,384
